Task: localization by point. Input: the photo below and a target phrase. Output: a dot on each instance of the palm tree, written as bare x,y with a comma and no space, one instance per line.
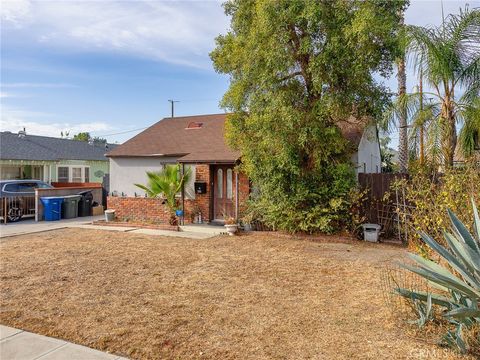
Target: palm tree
402,113
448,57
166,183
470,134
421,125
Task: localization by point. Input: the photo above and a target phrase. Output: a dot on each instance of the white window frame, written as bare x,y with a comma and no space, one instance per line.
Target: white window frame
70,171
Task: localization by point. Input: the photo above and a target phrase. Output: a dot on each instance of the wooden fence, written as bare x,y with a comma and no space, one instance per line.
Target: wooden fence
380,201
15,207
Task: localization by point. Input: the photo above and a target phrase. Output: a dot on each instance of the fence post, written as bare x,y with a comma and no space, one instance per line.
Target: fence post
36,205
4,210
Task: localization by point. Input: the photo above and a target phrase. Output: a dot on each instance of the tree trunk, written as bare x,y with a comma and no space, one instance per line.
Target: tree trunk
449,142
402,128
422,145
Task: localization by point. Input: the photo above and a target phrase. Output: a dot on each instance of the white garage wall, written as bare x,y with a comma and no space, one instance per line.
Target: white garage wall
125,172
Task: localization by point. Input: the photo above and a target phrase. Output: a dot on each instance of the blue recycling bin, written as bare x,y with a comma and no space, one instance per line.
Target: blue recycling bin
52,207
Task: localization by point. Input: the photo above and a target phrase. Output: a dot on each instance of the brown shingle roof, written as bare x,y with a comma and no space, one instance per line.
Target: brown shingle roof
200,139
352,129
182,136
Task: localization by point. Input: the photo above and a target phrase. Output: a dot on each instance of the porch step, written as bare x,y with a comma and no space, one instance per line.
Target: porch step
204,229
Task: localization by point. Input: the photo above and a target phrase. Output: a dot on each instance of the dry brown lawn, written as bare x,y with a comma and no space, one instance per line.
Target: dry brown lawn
262,296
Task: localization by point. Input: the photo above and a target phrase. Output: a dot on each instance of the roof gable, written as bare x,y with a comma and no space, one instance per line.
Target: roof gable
33,147
352,129
192,138
201,138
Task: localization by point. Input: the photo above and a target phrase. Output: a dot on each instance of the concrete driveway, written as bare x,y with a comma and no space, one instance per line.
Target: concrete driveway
29,226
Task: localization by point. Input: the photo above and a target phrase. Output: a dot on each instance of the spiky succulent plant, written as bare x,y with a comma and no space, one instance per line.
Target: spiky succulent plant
458,281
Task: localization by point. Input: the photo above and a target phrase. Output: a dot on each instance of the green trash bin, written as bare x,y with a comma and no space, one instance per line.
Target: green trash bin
70,206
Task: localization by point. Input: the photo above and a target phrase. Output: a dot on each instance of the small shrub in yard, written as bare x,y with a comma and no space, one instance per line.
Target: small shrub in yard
167,183
429,196
456,276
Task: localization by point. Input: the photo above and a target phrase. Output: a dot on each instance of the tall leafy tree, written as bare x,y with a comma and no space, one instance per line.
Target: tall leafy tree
82,136
297,70
85,136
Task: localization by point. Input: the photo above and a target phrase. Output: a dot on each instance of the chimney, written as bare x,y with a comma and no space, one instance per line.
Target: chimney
22,133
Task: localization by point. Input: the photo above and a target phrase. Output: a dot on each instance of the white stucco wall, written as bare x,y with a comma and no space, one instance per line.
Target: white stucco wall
126,172
368,158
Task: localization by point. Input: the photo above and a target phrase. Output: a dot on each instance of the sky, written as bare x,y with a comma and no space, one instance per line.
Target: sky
110,67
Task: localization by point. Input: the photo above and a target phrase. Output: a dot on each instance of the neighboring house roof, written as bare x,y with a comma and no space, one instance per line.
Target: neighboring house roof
33,147
185,138
352,129
192,138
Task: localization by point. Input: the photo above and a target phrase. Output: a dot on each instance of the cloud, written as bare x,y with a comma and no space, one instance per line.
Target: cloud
176,32
13,120
15,11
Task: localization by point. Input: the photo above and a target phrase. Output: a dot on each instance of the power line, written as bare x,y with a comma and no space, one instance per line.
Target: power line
124,132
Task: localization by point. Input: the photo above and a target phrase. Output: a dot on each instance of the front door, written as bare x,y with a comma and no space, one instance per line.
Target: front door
223,202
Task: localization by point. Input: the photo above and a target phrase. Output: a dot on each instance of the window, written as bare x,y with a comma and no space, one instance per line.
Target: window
229,184
42,185
27,187
11,187
219,183
194,125
10,172
77,175
63,174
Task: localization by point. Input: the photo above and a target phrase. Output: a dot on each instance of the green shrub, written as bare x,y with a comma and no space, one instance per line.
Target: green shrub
317,203
429,196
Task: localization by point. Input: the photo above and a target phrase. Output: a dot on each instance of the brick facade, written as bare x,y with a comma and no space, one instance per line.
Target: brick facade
202,201
243,193
139,209
150,210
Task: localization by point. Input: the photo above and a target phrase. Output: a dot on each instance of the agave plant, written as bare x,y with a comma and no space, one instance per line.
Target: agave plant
458,282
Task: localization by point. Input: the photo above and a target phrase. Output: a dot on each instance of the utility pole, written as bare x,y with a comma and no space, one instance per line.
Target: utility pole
173,106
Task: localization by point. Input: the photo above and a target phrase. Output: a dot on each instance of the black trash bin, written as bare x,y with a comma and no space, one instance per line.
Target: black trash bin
70,206
85,204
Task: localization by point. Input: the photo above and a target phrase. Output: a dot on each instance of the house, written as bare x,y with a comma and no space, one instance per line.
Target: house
24,156
365,145
198,144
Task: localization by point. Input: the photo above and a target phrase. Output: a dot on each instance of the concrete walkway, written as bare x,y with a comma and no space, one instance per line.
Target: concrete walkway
21,345
30,226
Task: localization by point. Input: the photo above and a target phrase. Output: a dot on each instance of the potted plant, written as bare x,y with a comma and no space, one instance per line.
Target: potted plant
231,225
247,221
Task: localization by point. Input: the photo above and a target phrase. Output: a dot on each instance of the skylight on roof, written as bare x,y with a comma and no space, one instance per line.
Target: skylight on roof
194,125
